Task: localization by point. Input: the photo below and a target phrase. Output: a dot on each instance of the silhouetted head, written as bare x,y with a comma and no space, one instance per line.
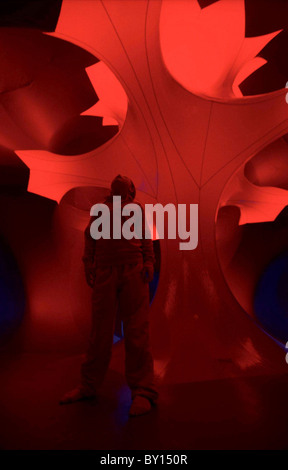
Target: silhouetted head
124,187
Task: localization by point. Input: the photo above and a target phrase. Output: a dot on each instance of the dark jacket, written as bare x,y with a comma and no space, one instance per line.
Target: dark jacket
110,252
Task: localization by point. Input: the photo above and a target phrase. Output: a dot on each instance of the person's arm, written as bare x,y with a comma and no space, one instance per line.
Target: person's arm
88,257
148,252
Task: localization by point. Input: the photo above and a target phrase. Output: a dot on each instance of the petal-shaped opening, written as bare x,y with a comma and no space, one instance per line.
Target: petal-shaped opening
252,238
51,101
206,50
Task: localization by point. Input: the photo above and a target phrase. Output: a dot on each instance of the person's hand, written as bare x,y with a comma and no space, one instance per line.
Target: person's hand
90,275
148,273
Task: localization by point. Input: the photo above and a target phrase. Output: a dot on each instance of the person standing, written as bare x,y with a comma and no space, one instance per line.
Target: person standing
119,272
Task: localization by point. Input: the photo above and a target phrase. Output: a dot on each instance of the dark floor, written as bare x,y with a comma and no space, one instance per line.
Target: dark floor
246,413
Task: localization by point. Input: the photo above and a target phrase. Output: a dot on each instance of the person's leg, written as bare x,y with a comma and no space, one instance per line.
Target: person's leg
134,307
104,307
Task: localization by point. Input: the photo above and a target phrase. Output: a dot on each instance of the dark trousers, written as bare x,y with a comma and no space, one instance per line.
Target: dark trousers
120,286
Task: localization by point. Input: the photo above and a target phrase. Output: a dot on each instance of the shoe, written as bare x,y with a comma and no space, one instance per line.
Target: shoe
140,406
77,394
